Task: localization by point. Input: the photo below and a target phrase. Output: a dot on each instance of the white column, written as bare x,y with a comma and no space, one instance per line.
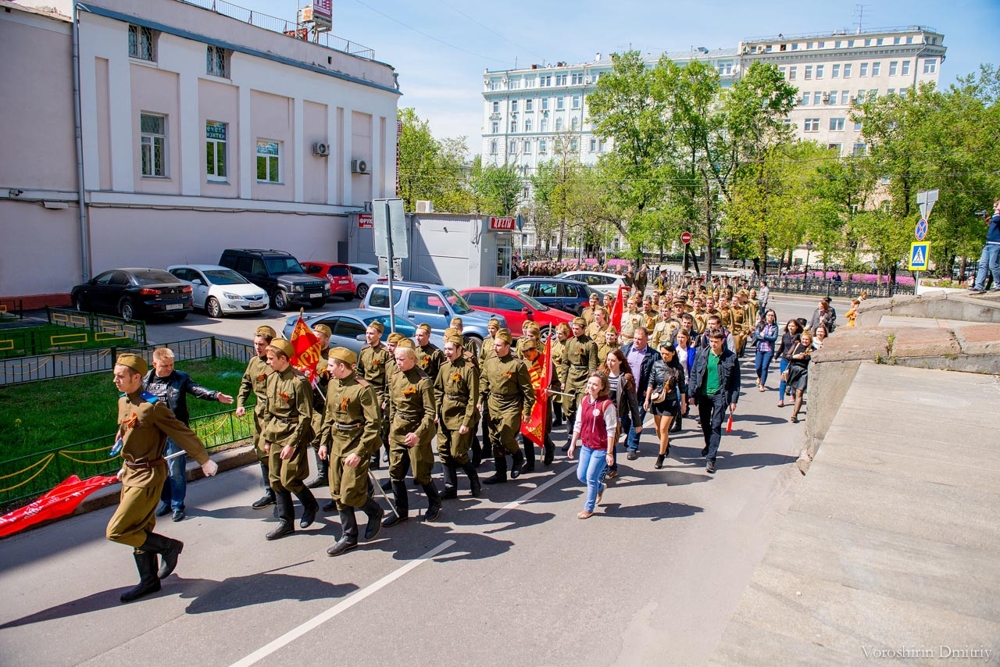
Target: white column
345,165
332,164
248,156
192,153
298,136
123,157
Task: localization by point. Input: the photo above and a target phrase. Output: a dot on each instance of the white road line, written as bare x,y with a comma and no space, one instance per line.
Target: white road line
530,494
318,620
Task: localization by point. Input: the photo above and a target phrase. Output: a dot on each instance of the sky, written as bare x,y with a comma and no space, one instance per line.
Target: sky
440,48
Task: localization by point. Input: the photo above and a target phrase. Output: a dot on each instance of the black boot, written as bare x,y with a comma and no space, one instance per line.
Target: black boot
168,550
375,513
550,450
349,533
477,450
402,505
450,481
529,455
268,497
676,426
500,464
309,507
329,505
433,501
286,516
569,440
515,466
322,474
145,562
470,470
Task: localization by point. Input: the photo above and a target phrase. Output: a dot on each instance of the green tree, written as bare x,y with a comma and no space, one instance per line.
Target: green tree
431,169
497,190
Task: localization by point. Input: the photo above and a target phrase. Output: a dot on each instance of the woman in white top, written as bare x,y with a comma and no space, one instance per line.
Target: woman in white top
596,426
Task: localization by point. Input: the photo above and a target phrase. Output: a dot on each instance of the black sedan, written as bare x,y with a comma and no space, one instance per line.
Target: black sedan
135,294
570,296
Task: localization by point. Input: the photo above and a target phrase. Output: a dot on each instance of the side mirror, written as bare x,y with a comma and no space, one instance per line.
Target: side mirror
360,338
442,310
526,311
196,281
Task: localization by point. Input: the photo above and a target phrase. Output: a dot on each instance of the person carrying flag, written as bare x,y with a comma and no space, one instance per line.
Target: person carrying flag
456,392
255,381
535,430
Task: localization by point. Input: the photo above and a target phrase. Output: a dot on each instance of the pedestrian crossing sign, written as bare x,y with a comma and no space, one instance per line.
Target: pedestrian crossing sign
919,256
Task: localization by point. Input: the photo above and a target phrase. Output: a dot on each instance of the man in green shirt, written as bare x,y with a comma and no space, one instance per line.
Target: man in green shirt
714,386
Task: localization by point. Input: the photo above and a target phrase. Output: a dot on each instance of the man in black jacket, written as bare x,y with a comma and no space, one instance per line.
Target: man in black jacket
640,358
714,386
172,387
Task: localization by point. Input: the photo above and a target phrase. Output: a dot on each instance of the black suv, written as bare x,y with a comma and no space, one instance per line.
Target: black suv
279,274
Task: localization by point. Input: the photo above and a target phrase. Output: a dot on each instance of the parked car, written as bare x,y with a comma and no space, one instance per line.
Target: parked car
516,307
135,294
602,282
220,291
566,295
339,275
280,274
365,275
433,304
349,326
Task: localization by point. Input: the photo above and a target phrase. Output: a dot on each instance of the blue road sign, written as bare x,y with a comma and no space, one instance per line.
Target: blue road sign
921,229
918,256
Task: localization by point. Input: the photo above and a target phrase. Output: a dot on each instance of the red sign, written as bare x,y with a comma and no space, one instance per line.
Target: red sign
502,224
364,221
686,238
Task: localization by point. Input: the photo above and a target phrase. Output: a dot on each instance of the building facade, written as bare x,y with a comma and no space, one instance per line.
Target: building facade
201,132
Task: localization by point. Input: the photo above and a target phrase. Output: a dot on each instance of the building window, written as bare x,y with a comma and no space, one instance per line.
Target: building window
819,71
577,79
847,70
878,42
560,103
543,125
930,65
559,124
593,145
859,150
514,84
574,123
268,161
909,39
850,43
527,125
493,147
545,104
864,69
141,43
804,100
529,82
809,72
873,93
836,147
600,146
560,79
895,40
513,147
893,67
906,68
513,126
513,106
545,81
529,105
153,145
576,101
832,97
215,149
820,45
527,147
876,68
890,91
812,125
496,107
496,127
817,98
543,146
792,70
574,145
858,126
837,44
861,97
215,63
836,124
783,71
835,73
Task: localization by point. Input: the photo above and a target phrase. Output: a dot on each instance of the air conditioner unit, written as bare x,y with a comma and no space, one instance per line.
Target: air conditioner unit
359,166
588,79
854,98
424,206
321,149
760,48
826,98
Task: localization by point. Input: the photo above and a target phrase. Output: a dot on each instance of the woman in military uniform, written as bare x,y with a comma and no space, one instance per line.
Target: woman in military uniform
255,381
456,392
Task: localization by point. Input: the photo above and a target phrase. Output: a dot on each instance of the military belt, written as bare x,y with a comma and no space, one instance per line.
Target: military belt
580,366
341,426
507,395
457,396
146,465
286,420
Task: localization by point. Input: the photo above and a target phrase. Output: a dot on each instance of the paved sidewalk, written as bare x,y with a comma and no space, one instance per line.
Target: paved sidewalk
890,549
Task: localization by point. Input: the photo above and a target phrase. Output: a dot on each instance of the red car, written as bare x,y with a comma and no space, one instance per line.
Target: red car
516,308
339,275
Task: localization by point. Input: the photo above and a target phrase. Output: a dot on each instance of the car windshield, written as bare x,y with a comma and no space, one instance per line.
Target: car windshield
338,271
282,265
534,304
458,304
402,326
225,277
154,276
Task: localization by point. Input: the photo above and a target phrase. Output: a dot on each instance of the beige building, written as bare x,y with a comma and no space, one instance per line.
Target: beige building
199,132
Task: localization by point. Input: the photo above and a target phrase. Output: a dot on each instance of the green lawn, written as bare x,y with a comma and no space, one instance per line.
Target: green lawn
43,415
17,341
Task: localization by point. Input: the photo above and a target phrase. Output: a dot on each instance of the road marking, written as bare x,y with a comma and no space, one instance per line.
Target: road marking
530,494
333,611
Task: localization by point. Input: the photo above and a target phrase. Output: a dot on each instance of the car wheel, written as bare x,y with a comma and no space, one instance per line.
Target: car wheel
126,310
546,332
78,302
474,344
213,307
280,300
362,290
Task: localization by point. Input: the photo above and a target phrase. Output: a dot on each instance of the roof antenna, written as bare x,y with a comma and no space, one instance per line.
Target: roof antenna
859,11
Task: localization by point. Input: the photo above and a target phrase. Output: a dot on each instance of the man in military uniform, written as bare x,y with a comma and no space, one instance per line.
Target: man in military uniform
144,424
588,312
558,349
485,352
429,357
649,315
579,361
411,433
506,380
534,360
323,333
255,380
456,392
700,314
286,431
631,319
373,366
351,428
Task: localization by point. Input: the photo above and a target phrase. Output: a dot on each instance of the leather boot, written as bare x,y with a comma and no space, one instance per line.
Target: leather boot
676,426
375,513
550,450
145,562
268,497
451,481
286,516
433,500
402,505
477,450
515,466
168,550
349,533
309,507
529,455
500,464
322,474
477,488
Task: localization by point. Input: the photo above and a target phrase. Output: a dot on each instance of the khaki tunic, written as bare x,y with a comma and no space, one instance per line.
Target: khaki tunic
511,399
588,315
649,319
579,361
629,322
701,320
413,410
602,353
429,360
288,422
596,332
350,426
456,392
255,380
558,352
486,351
144,427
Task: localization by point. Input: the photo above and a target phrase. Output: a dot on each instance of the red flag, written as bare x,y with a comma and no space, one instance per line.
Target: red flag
306,346
534,428
58,502
617,309
729,425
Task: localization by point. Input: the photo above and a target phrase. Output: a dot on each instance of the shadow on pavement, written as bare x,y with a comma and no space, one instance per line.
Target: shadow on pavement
754,460
652,511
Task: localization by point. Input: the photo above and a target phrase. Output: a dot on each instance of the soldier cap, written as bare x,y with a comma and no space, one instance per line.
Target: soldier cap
395,337
532,326
323,329
405,342
343,354
454,339
494,322
283,346
133,361
450,331
579,322
424,326
457,321
504,335
528,344
375,324
265,330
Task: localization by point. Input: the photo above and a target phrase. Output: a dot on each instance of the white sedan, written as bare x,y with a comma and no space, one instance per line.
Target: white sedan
221,291
364,275
602,282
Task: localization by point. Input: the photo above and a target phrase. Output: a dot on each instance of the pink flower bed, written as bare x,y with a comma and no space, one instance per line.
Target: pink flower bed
854,277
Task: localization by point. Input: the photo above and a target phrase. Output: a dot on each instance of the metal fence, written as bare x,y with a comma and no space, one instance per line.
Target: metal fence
11,309
831,288
108,326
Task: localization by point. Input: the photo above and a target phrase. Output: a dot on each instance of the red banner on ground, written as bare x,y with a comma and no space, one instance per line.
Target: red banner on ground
307,351
534,428
58,502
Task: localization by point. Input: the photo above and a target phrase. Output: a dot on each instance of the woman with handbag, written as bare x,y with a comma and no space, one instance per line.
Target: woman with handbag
798,370
665,397
596,423
765,335
788,340
621,390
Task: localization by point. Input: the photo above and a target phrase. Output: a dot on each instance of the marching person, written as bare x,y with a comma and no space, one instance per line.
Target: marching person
373,363
534,360
596,427
456,392
578,362
172,387
714,388
558,349
255,381
286,432
144,425
485,352
323,333
351,427
411,392
429,357
511,397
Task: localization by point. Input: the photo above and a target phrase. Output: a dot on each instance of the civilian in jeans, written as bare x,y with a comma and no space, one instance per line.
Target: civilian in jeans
172,387
788,340
621,390
715,386
640,358
596,424
766,336
989,261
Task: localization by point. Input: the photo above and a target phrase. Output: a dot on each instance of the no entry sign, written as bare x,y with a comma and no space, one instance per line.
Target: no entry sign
686,238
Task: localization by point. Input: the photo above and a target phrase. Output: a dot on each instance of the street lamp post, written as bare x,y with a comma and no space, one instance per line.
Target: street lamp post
809,247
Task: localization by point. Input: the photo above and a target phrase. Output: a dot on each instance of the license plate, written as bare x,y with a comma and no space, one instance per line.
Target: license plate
316,296
342,282
175,306
257,305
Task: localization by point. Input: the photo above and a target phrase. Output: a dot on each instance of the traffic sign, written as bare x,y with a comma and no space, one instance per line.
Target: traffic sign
388,217
686,238
519,221
926,199
919,255
921,230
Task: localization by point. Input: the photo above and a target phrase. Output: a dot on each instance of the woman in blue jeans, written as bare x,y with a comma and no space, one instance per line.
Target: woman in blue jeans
788,340
766,336
596,424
